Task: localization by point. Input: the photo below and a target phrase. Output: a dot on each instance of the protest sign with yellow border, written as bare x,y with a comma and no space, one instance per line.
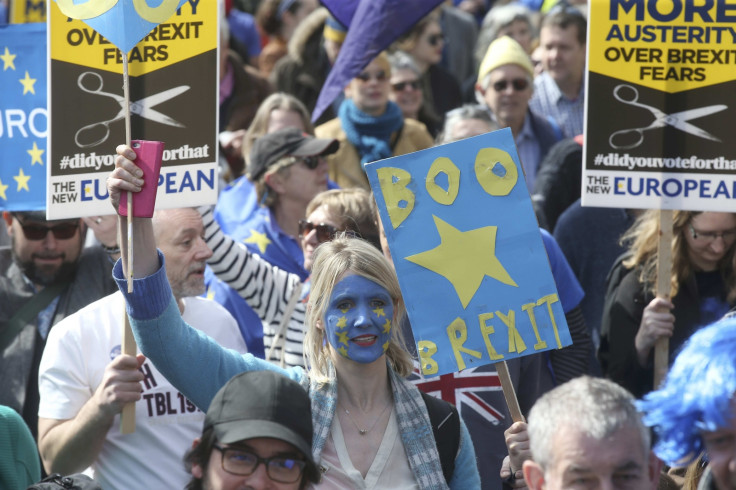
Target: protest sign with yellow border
468,253
173,95
658,105
27,11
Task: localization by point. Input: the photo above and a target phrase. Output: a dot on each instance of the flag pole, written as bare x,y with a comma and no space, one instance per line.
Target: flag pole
128,347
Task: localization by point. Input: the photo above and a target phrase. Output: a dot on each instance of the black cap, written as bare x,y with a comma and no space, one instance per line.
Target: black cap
271,147
264,404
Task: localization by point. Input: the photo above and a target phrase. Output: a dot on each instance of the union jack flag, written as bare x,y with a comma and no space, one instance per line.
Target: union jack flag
462,390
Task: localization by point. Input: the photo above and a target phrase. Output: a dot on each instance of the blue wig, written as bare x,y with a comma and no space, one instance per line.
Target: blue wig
696,395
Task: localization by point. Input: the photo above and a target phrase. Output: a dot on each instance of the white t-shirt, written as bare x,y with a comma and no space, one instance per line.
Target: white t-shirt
73,363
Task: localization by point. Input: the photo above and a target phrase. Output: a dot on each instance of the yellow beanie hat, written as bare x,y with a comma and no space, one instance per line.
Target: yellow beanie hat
504,51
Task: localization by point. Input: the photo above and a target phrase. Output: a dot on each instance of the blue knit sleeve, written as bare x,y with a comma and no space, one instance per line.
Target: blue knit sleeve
194,363
466,474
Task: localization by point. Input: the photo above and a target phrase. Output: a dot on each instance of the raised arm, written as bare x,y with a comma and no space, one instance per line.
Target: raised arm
127,177
194,363
266,288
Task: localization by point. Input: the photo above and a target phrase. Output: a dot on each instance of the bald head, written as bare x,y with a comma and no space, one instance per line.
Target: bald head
179,235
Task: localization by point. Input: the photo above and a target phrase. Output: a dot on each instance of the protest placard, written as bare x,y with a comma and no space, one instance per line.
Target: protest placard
173,98
25,11
23,117
468,253
659,110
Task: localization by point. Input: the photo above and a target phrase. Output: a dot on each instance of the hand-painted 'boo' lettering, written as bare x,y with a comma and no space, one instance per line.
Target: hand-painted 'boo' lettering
457,333
495,171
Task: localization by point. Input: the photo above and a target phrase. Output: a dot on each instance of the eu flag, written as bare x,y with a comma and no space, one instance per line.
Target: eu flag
372,26
23,117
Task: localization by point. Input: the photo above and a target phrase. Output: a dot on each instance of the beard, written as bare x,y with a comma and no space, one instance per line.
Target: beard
45,275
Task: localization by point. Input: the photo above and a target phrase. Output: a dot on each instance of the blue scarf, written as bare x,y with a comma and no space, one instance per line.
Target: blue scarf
370,135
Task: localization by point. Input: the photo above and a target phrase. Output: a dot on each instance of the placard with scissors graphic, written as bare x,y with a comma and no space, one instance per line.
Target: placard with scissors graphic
659,108
173,98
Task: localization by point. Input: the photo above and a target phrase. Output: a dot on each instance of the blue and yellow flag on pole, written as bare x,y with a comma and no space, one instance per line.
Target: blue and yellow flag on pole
23,117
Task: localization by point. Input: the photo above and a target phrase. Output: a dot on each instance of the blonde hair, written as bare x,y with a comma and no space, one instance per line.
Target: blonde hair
642,240
332,260
259,126
266,197
352,209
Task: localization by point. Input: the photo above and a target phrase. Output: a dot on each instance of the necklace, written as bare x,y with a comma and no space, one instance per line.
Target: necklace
363,432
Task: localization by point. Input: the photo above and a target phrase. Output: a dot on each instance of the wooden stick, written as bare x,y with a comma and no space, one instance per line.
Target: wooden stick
508,391
129,347
126,94
664,287
127,417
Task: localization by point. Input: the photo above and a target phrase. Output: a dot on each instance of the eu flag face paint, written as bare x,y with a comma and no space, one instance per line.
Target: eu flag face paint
358,319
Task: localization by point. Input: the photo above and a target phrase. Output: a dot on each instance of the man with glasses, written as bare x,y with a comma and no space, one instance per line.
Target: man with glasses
505,87
45,275
257,434
559,91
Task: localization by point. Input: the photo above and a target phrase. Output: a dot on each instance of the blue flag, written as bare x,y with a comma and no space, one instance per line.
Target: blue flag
372,26
23,117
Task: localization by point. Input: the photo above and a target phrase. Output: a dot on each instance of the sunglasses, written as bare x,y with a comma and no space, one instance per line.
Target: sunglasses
400,86
378,76
435,39
518,84
63,231
325,233
310,162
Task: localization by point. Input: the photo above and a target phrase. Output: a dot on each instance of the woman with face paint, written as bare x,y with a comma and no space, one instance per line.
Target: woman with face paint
283,314
371,427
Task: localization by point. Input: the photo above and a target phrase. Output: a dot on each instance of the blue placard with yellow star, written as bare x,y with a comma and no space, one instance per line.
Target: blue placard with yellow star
23,117
468,253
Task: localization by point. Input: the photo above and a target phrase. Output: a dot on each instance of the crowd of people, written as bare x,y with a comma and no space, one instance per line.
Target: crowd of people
274,347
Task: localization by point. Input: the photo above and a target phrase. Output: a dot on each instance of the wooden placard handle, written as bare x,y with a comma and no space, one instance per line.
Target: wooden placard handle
664,287
508,391
129,347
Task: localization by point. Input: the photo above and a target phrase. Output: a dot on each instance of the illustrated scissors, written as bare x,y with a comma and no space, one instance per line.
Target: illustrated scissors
142,107
676,120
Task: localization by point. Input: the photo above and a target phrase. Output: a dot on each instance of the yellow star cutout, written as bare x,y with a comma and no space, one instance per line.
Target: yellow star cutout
260,239
342,338
22,180
343,351
210,294
464,258
342,322
379,312
387,326
7,59
385,346
3,188
28,84
36,153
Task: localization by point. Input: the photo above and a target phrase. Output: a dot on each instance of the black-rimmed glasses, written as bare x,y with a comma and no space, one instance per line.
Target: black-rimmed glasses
282,469
710,236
